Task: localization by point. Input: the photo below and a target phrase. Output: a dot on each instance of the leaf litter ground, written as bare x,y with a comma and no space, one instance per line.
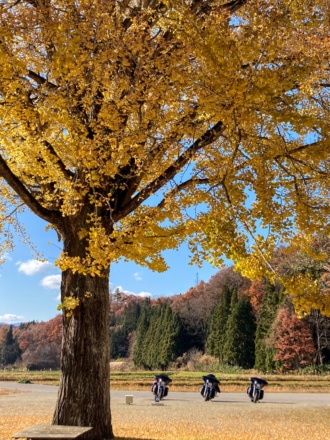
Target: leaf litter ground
186,420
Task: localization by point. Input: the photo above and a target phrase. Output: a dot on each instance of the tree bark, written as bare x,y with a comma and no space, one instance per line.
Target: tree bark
84,391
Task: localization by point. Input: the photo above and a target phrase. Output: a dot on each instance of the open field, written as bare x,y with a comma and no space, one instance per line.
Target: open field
182,415
188,381
185,381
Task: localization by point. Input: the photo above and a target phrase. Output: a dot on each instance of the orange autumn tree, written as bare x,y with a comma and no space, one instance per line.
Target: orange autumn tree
293,341
130,126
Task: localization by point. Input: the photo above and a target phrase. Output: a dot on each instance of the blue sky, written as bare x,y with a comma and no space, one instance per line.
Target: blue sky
29,289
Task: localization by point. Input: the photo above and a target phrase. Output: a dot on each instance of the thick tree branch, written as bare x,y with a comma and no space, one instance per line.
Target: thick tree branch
203,7
198,7
298,149
67,173
40,80
289,155
234,5
13,181
208,137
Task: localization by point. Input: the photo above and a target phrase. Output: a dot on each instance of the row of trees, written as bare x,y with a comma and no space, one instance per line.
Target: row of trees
34,345
236,321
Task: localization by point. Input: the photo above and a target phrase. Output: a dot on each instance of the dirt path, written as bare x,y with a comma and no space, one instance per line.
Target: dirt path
230,416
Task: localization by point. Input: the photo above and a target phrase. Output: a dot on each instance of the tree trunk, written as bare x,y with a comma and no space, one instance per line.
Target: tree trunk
84,391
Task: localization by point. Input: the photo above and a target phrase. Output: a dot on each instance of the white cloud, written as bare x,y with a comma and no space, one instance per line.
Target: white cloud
51,282
143,294
9,318
137,276
128,292
32,267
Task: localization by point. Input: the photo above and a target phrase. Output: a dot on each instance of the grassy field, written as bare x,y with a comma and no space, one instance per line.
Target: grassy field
185,381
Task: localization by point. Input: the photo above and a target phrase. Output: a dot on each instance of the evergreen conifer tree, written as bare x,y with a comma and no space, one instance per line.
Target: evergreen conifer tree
120,335
141,332
217,330
264,352
118,343
169,343
152,340
240,333
10,351
158,337
132,313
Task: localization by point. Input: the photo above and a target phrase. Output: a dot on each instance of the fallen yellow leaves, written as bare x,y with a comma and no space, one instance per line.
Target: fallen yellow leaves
211,421
11,424
191,420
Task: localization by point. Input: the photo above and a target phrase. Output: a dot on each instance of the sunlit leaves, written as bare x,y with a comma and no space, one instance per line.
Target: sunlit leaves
107,112
69,303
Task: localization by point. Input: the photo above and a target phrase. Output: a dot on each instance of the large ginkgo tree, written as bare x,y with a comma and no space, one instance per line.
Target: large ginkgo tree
130,126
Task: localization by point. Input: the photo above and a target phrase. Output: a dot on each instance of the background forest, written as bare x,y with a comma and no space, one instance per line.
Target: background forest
227,321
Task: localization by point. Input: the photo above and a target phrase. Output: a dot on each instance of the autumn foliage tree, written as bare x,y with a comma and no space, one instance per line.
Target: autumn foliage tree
41,343
306,265
129,126
294,344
